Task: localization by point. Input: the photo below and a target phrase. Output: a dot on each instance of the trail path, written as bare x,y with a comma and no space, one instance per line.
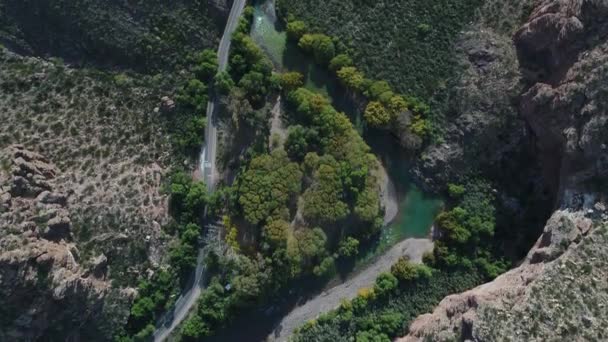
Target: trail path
208,168
330,299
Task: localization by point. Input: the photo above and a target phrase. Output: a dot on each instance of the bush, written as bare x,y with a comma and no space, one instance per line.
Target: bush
376,115
456,191
296,29
205,65
291,81
321,46
349,247
223,83
385,283
405,271
339,62
193,96
351,78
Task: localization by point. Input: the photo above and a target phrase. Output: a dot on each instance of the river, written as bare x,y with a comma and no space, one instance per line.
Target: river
416,210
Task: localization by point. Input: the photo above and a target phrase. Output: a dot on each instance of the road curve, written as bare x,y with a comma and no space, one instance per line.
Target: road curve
208,153
330,299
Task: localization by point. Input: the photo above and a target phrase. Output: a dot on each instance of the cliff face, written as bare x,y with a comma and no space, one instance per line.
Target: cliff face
559,290
47,288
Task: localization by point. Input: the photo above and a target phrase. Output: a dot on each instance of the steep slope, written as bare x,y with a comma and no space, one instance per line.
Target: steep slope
557,289
143,35
106,119
47,283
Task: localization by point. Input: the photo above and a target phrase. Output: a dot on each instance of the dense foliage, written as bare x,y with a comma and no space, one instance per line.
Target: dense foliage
157,294
385,311
385,108
464,255
147,35
408,43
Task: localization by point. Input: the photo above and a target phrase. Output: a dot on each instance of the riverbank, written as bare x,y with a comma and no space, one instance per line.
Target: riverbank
388,195
331,299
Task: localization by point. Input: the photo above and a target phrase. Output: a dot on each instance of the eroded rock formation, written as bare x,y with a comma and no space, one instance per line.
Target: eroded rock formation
47,288
559,290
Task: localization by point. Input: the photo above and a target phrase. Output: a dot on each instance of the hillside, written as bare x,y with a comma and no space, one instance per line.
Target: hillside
90,89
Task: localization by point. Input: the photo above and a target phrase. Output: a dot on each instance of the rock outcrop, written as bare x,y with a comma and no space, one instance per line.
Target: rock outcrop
559,290
569,256
46,289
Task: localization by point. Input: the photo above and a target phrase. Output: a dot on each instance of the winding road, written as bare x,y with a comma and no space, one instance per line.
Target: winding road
208,168
331,299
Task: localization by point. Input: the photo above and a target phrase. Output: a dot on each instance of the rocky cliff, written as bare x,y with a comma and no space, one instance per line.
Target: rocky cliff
47,288
559,290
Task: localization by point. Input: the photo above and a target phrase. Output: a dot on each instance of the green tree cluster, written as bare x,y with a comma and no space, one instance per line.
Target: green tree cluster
319,45
384,105
405,271
249,67
467,230
205,65
296,29
267,186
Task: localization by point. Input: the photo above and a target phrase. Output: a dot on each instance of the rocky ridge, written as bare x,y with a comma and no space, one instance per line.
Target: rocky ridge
558,291
41,270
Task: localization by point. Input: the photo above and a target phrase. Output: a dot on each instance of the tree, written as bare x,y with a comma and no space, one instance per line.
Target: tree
205,65
455,190
452,222
190,234
223,83
397,105
307,42
299,141
193,96
291,81
377,115
349,247
311,242
232,235
254,85
196,198
296,29
419,126
340,61
267,186
182,256
145,334
321,46
275,233
194,328
385,283
378,88
406,271
371,336
351,78
238,105
325,267
323,200
324,50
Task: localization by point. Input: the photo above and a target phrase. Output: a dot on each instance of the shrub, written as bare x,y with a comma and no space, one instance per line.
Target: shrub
291,81
406,271
376,115
385,283
339,62
455,190
348,247
296,29
351,78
